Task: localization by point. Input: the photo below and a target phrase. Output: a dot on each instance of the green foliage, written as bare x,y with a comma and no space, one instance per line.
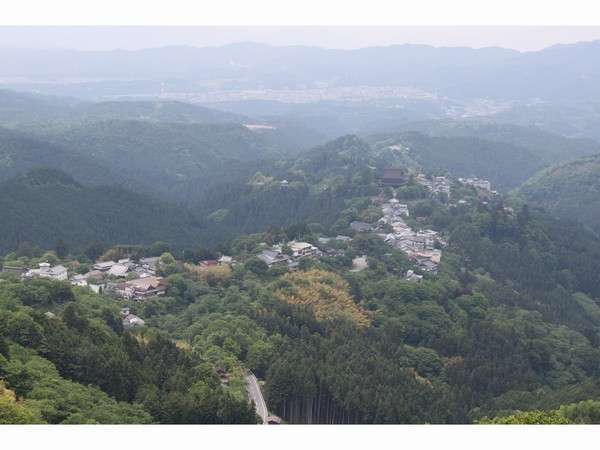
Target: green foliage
585,412
530,418
77,367
569,190
13,412
48,205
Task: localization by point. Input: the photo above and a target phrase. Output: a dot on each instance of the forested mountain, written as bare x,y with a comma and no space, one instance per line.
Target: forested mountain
569,118
20,152
313,187
173,159
22,107
45,206
569,190
173,150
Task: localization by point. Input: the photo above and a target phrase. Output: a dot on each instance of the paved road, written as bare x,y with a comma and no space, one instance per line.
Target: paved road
256,396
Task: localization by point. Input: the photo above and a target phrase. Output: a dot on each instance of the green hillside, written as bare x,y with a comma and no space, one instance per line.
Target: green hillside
167,158
570,190
45,206
547,146
313,187
20,152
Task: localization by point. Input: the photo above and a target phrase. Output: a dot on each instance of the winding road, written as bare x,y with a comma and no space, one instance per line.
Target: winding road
256,396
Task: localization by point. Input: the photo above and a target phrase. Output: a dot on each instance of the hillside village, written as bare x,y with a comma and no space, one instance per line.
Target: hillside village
138,279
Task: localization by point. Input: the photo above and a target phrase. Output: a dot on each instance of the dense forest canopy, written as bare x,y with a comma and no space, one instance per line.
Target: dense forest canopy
568,190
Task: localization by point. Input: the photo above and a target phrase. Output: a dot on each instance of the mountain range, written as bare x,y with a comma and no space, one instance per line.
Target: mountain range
220,174
560,72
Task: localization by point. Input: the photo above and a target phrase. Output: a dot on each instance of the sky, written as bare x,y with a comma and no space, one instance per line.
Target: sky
525,38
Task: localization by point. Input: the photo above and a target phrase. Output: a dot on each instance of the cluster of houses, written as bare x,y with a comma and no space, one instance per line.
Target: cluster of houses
420,246
128,279
124,278
436,185
276,256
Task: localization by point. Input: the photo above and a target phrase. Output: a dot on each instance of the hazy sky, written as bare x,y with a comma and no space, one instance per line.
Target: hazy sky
131,38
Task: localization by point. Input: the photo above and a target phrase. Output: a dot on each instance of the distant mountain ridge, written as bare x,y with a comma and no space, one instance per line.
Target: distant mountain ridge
555,73
171,149
18,108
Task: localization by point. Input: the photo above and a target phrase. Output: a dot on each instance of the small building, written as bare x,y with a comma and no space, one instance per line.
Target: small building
132,321
104,266
413,277
149,263
428,265
79,280
208,263
300,249
118,270
271,257
141,288
46,271
225,260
